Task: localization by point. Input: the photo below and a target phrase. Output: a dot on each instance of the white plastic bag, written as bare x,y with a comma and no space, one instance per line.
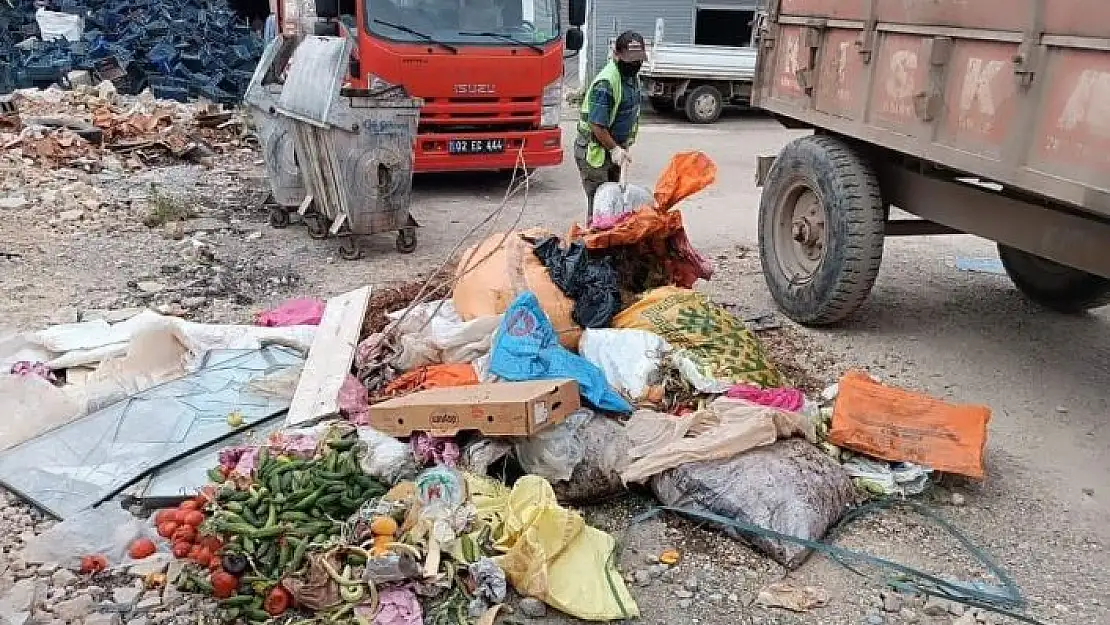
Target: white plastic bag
434,333
613,200
554,452
628,358
33,406
108,531
386,458
54,25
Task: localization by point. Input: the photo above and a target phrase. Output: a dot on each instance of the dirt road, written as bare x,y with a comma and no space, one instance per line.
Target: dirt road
955,334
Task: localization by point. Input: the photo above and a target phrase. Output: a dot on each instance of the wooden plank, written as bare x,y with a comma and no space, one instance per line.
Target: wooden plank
329,359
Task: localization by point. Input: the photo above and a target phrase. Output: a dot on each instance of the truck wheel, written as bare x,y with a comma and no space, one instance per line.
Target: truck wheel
662,105
1052,285
821,223
704,105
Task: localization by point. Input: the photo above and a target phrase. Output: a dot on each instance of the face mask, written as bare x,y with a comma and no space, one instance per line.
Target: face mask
629,68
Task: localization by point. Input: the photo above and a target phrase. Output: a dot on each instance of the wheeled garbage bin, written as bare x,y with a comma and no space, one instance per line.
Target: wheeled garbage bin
354,148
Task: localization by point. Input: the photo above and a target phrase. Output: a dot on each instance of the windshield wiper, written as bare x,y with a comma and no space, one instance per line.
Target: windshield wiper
430,39
505,38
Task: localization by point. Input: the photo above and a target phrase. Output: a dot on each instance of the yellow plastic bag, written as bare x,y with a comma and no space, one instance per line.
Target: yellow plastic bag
552,555
721,347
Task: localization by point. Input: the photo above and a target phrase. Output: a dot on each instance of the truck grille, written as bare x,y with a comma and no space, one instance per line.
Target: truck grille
474,114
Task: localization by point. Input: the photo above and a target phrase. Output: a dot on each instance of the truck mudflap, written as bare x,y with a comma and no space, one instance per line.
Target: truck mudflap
448,152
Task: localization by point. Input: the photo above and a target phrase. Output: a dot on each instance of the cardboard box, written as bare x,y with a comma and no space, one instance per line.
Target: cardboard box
502,409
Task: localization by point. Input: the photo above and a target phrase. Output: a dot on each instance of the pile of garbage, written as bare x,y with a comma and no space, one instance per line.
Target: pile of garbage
179,49
419,471
94,128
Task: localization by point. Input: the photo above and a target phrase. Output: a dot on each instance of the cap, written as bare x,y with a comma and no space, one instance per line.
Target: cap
630,45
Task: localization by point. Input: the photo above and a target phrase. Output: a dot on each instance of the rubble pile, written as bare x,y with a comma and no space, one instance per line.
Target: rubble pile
179,49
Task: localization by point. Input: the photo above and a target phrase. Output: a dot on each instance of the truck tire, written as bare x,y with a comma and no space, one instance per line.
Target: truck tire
821,228
1052,285
704,105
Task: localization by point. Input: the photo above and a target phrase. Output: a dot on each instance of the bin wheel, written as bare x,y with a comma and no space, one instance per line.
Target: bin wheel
406,240
349,249
1052,285
821,228
704,105
317,225
279,217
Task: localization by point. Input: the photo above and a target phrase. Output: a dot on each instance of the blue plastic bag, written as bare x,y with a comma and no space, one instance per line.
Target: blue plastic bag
526,348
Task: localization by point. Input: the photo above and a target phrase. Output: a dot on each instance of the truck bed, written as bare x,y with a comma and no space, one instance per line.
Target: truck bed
1016,92
671,60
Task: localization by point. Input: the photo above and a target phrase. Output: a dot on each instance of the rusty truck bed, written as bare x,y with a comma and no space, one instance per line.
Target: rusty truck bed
1014,91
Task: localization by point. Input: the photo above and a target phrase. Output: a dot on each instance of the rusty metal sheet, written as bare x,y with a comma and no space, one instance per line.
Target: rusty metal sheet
1082,18
981,14
1073,126
842,84
791,57
834,9
901,73
981,98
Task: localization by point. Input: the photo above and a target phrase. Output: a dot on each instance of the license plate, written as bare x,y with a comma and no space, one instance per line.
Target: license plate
476,146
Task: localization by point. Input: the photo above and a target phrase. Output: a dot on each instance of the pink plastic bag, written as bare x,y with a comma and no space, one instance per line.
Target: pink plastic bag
790,399
295,312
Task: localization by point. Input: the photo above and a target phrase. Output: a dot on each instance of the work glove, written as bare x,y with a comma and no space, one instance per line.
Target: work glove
620,157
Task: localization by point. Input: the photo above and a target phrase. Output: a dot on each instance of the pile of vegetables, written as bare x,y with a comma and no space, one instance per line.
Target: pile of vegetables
259,532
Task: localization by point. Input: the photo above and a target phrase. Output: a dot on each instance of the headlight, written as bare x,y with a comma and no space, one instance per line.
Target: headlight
552,111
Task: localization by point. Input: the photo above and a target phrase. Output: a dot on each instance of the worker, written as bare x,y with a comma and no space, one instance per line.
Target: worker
610,117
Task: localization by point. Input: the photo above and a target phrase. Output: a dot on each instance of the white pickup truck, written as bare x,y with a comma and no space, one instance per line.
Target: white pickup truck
696,79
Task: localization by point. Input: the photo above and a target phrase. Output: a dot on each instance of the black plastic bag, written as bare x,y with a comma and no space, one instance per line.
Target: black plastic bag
591,281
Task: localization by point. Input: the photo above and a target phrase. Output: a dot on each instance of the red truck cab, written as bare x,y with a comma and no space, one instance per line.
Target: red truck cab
490,72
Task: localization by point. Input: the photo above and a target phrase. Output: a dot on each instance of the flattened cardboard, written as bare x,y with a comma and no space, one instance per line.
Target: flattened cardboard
502,409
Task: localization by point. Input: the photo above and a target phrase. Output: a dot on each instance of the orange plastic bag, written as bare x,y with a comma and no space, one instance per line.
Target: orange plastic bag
433,376
685,175
498,275
897,425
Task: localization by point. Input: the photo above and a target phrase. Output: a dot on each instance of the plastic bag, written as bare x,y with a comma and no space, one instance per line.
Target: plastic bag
433,376
108,531
33,406
295,312
494,277
591,282
613,200
789,487
897,425
434,333
597,478
554,452
628,358
386,458
720,344
552,555
526,348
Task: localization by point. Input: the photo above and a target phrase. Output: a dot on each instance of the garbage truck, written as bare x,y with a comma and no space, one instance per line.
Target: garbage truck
989,118
489,72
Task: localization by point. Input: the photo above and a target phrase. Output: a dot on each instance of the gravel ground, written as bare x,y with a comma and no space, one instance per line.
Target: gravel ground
80,243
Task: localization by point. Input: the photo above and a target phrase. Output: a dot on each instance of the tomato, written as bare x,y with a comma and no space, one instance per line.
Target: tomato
186,533
141,548
166,530
163,516
194,518
211,543
224,584
277,602
181,549
93,564
203,557
188,504
179,516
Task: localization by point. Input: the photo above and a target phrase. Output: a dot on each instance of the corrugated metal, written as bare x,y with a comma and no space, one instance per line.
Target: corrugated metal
609,18
711,62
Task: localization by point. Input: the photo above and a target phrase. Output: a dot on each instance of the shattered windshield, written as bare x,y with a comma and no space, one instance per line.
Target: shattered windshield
486,22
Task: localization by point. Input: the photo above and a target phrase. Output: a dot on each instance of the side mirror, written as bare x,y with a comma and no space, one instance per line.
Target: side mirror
575,39
576,13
